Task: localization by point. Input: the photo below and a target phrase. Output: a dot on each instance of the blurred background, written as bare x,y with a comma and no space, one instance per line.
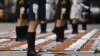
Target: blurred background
7,11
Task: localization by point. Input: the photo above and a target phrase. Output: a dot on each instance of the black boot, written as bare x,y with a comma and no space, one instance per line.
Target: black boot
66,26
54,30
60,34
84,27
31,44
21,33
74,28
43,28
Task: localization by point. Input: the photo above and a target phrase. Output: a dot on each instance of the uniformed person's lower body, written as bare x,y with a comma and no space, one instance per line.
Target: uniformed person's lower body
85,16
75,17
43,25
34,19
22,23
67,17
59,24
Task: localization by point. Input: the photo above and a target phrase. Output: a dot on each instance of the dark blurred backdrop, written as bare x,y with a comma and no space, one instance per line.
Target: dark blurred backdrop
7,11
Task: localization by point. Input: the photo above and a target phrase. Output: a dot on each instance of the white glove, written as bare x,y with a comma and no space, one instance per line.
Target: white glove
86,7
63,10
22,9
35,8
84,13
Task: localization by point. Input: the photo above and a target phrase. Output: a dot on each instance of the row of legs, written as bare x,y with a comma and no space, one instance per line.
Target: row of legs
22,28
27,31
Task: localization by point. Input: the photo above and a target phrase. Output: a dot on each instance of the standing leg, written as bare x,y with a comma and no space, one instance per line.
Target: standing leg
31,35
66,25
74,26
84,23
43,27
21,29
54,29
84,26
22,23
60,22
75,16
59,31
36,13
